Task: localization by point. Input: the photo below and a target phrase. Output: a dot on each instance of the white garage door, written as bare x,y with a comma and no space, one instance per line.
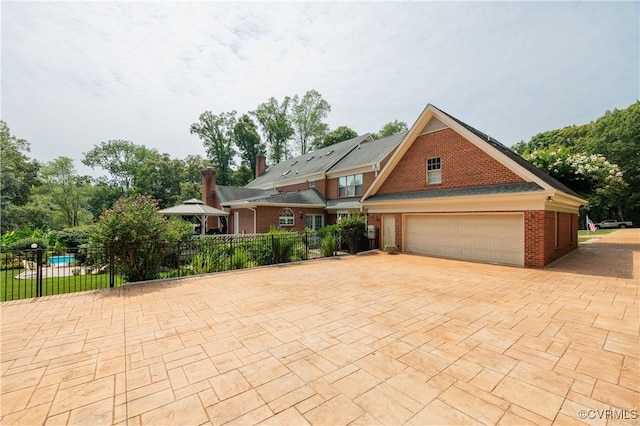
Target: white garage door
493,238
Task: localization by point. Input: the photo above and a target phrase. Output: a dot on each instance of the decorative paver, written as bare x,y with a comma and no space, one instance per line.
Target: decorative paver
361,340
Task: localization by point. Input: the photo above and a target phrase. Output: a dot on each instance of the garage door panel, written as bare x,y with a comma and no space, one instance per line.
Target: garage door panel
495,238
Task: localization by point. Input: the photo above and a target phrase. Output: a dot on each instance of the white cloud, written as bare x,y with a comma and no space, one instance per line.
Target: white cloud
76,74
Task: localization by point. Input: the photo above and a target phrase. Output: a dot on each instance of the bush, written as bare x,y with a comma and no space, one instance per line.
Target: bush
353,230
138,235
328,245
25,244
72,238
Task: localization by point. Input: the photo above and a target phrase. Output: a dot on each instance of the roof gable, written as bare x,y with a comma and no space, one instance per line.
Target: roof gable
433,119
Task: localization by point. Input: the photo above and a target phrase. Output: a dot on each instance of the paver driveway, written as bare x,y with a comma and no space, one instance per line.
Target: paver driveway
370,339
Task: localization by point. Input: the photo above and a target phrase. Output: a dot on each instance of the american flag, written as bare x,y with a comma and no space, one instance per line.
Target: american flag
590,225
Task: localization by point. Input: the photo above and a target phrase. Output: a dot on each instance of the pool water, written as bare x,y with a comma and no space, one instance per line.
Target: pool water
62,260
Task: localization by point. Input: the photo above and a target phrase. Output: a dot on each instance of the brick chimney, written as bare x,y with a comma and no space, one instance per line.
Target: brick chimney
261,165
209,187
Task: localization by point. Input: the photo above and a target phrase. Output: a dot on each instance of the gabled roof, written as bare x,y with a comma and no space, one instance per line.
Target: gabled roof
192,207
368,153
306,165
515,157
490,146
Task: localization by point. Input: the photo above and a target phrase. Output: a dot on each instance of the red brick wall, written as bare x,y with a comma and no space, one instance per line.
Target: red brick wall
540,228
269,217
320,186
463,164
332,186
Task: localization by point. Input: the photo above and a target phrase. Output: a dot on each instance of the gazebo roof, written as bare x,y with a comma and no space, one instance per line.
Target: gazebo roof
193,207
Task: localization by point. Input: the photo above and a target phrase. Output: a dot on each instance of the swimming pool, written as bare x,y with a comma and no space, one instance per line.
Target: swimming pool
62,260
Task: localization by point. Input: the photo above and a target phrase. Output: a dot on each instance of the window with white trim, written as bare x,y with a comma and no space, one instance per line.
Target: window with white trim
315,221
287,217
350,186
434,171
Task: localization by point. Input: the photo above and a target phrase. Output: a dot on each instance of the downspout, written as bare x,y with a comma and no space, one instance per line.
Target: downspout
255,220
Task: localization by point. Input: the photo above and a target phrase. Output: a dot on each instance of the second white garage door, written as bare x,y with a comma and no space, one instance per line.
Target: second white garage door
493,238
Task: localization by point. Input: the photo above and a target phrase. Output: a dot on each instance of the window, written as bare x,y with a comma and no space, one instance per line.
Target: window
312,184
315,221
287,217
350,186
434,171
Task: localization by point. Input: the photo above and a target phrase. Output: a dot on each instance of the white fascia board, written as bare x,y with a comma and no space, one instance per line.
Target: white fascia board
351,171
477,203
253,205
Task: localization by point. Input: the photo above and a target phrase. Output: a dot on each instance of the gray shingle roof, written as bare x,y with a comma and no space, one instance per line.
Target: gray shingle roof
505,188
515,157
308,196
307,164
369,152
231,193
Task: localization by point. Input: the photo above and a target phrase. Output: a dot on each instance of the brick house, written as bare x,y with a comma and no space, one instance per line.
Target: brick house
443,189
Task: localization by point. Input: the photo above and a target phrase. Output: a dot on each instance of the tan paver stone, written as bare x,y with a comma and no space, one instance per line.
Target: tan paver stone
59,419
77,396
423,361
292,398
471,405
263,371
229,384
544,379
413,387
439,413
603,366
254,417
186,411
278,387
339,410
100,412
527,396
234,407
34,415
356,383
287,417
486,379
385,409
616,396
510,419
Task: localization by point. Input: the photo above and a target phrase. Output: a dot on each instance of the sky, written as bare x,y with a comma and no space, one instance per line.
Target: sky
75,74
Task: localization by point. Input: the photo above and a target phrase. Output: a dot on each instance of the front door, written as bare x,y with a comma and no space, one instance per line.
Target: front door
388,230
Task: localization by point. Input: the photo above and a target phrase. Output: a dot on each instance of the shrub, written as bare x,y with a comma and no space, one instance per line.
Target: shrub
353,230
328,245
138,235
72,238
25,244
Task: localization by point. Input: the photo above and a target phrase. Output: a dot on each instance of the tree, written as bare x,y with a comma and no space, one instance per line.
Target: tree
118,157
570,137
248,142
391,128
307,115
276,127
592,176
138,236
18,172
216,132
66,189
339,134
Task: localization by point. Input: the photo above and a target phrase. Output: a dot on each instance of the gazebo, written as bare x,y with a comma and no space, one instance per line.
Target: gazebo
194,207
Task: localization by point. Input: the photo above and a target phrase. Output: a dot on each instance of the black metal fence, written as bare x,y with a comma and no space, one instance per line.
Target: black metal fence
42,272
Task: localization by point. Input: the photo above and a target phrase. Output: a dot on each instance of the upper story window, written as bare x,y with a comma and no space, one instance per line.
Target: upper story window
287,217
350,186
434,171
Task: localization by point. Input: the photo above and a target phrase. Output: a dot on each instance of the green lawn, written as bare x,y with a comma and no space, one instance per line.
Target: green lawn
584,236
14,289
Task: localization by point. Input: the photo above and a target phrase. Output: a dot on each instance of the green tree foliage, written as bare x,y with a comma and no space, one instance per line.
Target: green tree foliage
274,120
118,158
353,231
68,191
339,134
138,235
216,132
307,115
19,173
599,160
242,176
391,128
248,142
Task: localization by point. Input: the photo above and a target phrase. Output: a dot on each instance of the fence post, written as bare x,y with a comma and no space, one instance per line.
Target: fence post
112,266
273,249
39,272
306,245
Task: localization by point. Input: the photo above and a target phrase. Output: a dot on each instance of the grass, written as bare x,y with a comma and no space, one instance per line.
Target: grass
14,289
584,236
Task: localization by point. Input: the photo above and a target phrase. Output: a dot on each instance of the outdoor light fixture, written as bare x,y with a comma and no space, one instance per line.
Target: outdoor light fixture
300,214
